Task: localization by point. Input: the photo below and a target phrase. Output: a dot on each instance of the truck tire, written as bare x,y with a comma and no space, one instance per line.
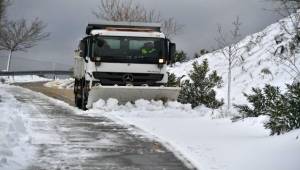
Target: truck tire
77,93
84,94
80,94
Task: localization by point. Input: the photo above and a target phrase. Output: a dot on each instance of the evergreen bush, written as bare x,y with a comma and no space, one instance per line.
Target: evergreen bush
172,80
283,109
180,56
200,89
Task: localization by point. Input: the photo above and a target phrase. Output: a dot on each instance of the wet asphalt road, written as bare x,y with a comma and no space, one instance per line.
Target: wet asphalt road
66,141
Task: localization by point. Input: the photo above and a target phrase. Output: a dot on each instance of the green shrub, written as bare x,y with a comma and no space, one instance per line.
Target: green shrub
283,109
180,56
200,90
172,80
257,100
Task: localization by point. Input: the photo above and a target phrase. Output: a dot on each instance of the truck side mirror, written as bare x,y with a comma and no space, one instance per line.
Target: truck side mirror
100,42
172,51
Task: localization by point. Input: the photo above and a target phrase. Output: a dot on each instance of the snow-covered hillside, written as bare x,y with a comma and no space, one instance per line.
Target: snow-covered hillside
257,51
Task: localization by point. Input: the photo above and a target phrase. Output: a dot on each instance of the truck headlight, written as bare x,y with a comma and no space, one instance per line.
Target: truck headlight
98,59
161,61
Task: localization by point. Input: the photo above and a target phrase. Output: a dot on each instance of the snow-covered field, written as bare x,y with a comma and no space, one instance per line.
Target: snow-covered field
22,79
15,148
210,144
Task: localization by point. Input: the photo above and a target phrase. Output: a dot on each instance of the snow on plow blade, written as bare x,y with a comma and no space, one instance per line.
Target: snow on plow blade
126,94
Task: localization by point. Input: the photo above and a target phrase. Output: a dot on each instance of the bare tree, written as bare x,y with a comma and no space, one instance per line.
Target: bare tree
19,36
290,9
229,47
286,52
2,9
287,55
131,11
3,6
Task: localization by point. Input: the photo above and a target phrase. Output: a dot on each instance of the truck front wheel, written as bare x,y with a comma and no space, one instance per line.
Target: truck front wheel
81,94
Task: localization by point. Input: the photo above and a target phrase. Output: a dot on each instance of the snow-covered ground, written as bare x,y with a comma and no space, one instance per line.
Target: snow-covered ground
210,144
22,79
192,133
200,135
15,148
61,83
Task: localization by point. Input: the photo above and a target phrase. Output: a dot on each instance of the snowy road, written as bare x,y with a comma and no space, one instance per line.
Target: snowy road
65,140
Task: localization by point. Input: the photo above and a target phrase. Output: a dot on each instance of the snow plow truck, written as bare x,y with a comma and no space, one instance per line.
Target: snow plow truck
125,61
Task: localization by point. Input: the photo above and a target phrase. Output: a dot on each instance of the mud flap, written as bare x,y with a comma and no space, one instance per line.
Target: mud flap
126,94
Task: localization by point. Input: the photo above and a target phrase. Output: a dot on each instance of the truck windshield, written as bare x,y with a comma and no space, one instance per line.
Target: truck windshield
128,49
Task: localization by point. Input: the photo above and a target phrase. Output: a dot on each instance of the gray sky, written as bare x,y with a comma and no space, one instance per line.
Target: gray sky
67,19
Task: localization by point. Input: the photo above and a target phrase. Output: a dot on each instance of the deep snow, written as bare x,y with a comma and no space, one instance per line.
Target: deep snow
15,149
210,144
192,133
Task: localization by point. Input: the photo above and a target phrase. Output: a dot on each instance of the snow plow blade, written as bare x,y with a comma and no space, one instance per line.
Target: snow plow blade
126,94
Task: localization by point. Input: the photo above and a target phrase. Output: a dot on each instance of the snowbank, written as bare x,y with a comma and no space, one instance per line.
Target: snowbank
144,108
210,144
15,150
22,79
61,83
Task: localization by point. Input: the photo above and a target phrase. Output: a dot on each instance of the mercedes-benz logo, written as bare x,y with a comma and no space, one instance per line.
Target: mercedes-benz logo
128,78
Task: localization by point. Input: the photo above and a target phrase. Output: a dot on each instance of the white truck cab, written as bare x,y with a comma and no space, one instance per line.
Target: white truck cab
124,55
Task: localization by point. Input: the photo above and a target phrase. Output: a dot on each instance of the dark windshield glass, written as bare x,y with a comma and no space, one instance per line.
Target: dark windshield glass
128,49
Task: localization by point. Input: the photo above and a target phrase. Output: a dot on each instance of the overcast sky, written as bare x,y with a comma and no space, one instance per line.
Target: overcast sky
67,19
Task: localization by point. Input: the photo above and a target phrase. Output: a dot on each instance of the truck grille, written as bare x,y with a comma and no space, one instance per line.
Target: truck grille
126,78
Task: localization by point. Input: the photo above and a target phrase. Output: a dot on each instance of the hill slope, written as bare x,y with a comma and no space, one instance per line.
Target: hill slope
258,53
